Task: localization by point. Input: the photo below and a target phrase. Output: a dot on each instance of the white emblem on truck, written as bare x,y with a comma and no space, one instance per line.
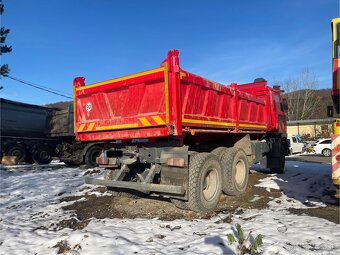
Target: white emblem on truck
88,107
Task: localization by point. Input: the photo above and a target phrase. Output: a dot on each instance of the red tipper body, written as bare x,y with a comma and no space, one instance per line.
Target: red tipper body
168,101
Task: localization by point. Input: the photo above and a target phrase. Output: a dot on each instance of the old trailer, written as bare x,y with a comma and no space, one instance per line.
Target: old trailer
173,133
24,132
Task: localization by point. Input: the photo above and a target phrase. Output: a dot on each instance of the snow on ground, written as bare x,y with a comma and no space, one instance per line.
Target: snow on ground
30,206
310,184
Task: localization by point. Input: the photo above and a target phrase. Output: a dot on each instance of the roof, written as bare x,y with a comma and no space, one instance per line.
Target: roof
313,121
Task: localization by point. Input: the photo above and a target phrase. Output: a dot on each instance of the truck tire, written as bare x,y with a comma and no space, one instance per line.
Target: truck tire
205,182
219,151
91,155
17,150
180,203
280,169
42,155
235,171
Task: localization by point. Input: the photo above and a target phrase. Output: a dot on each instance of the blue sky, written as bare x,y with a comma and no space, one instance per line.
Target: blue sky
226,41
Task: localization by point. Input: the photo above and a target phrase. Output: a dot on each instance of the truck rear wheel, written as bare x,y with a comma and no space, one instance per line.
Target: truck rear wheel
235,171
219,151
205,182
42,155
91,155
18,151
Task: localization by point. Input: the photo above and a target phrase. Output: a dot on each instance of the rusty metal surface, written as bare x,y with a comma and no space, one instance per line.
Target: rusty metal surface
169,189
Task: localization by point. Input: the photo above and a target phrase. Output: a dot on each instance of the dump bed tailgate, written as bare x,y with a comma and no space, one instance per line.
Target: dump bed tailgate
132,106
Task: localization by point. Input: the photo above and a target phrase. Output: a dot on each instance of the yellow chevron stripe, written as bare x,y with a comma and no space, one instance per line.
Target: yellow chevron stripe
144,121
158,120
81,127
90,127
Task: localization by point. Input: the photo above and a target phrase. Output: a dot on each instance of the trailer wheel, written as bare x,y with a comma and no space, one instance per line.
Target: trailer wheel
180,203
91,155
42,155
235,171
205,182
17,150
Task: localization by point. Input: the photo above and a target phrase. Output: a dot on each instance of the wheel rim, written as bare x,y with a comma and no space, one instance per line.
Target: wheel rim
44,155
210,184
240,174
327,153
18,153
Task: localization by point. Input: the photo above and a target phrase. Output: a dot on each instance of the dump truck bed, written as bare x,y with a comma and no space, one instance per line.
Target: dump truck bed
168,101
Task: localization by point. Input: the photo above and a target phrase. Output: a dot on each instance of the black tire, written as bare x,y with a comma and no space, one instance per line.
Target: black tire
119,192
235,171
205,182
91,155
180,203
17,150
42,155
281,164
326,152
219,151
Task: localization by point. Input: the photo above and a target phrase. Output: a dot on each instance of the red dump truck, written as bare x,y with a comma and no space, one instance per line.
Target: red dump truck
176,134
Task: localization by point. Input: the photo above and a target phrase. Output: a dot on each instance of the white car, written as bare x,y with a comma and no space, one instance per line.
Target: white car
296,146
324,147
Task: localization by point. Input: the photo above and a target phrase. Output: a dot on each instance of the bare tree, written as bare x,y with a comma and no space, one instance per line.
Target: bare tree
302,97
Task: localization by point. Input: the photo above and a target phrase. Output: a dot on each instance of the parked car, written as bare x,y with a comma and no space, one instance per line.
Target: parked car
324,147
296,145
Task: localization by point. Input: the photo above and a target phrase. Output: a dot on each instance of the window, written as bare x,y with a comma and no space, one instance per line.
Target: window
294,139
326,142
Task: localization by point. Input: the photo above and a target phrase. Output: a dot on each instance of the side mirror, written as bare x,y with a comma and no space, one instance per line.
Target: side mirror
284,104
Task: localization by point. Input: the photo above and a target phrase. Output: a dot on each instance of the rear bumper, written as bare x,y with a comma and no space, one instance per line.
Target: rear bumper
143,187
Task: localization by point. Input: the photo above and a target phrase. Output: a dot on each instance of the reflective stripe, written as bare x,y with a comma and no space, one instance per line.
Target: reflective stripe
158,120
121,126
81,127
121,78
90,127
144,121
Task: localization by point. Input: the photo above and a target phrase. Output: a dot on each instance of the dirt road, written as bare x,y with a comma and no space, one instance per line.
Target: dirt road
156,207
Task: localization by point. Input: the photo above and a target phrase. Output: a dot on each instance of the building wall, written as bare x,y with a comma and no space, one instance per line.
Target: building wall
310,130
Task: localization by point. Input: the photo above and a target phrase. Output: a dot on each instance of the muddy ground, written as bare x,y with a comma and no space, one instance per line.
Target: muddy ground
156,207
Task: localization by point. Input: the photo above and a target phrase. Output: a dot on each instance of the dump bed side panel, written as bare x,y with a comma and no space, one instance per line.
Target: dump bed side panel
128,107
206,104
22,120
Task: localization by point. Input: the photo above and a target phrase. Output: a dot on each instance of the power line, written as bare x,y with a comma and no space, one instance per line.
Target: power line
53,91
